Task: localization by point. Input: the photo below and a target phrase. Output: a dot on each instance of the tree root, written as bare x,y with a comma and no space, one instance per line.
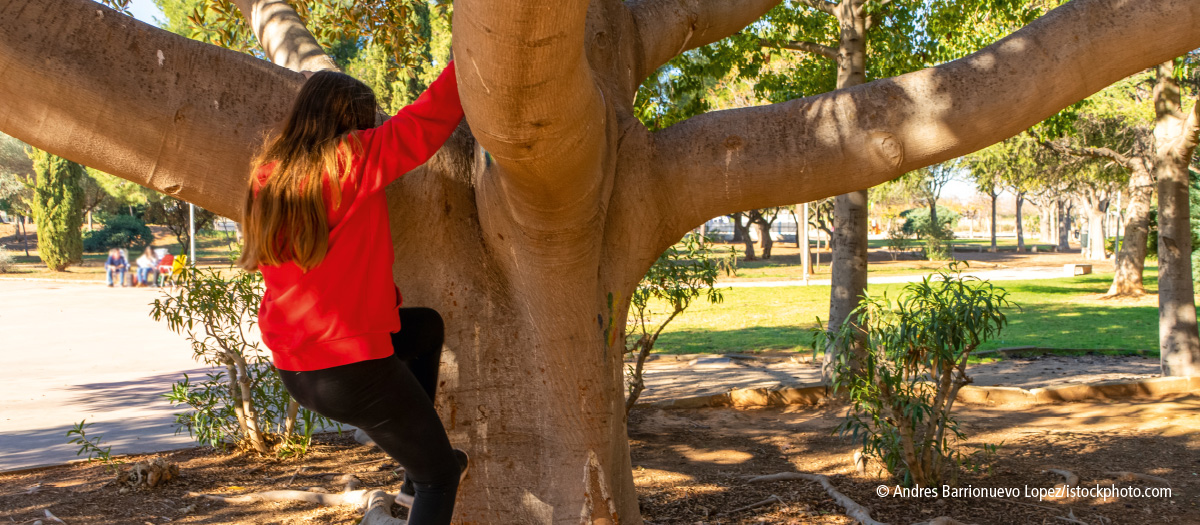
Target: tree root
853,509
763,503
375,503
1071,479
1125,475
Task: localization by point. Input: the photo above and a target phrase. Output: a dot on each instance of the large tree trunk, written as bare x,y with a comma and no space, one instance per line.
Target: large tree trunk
552,237
1175,137
934,226
763,226
1020,228
1130,260
849,264
1063,208
741,232
736,219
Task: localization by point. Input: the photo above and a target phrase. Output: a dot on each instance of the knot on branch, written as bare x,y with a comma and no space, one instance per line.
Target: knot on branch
888,148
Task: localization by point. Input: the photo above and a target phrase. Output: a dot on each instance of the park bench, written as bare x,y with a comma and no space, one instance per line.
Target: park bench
1077,269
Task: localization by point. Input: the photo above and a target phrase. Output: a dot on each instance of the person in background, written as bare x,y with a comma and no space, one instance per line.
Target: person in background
115,263
147,267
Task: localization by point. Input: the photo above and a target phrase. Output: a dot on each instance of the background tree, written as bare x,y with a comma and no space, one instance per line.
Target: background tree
762,220
1176,133
574,198
58,209
851,42
176,216
927,184
987,180
16,179
1116,128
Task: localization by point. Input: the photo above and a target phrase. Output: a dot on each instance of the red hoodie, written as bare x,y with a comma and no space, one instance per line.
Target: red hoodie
342,310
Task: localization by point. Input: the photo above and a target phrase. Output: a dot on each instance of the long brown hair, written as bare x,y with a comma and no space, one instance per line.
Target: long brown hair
285,219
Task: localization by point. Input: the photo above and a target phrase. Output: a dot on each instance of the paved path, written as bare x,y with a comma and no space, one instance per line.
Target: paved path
1006,274
74,351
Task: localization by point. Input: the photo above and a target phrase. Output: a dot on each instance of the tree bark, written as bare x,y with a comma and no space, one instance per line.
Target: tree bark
283,36
1131,258
1020,229
552,237
849,264
741,232
1096,238
933,218
993,222
1175,137
765,242
1064,224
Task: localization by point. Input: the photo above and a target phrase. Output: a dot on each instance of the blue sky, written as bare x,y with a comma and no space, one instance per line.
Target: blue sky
145,10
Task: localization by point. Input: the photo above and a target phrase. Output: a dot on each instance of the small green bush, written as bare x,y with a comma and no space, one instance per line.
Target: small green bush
6,261
242,401
684,272
903,383
916,221
120,231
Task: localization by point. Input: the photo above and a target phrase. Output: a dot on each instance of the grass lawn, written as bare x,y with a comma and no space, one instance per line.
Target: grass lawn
1055,313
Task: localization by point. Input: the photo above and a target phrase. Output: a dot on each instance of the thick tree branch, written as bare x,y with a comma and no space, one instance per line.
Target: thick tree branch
204,107
667,28
801,45
529,93
283,36
850,139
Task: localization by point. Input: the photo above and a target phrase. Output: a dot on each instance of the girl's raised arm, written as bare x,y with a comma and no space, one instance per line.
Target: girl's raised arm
413,135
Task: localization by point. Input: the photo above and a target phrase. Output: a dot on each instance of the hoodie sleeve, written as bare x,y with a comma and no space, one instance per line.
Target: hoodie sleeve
413,135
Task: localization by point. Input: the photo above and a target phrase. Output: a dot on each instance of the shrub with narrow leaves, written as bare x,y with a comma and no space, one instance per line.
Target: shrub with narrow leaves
241,401
902,385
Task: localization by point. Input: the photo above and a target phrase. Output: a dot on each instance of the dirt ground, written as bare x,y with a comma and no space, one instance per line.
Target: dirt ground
691,466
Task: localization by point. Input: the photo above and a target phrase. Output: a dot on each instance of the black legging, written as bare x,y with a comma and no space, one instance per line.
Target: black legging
391,399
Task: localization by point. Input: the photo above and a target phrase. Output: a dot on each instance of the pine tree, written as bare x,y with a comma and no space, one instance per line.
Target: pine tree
58,209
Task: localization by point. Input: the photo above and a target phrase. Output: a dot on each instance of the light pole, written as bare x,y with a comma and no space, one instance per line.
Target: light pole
191,234
804,253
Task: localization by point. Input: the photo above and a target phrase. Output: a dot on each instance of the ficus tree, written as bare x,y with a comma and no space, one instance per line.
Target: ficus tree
1115,128
843,44
521,247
